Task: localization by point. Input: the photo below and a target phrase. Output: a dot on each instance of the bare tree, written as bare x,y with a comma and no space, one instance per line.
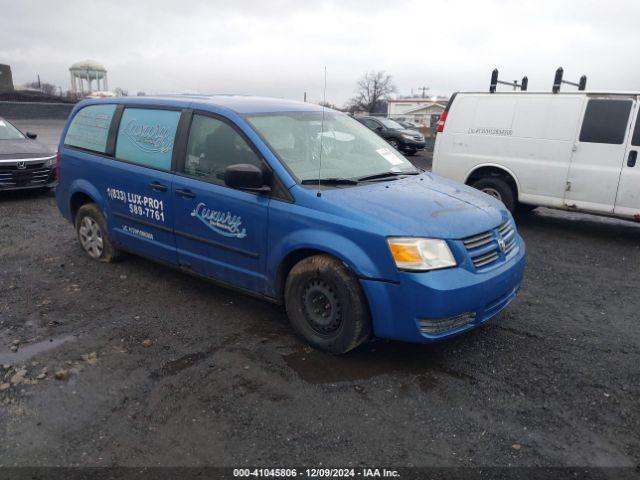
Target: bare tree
372,91
46,88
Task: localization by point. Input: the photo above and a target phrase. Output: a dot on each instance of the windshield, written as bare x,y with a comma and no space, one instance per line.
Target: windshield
349,149
9,132
393,125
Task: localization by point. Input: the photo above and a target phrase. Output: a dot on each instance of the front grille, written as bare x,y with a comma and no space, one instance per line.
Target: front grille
484,248
434,326
35,174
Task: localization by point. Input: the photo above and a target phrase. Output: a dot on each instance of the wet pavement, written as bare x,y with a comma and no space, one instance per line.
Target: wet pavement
159,368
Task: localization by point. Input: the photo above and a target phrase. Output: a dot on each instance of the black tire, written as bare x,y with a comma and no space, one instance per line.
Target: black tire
497,188
91,225
394,142
326,305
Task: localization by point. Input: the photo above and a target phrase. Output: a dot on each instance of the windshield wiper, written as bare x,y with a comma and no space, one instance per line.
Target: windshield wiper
329,181
385,175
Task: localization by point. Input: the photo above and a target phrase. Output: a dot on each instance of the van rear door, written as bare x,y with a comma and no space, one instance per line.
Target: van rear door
628,197
138,184
594,172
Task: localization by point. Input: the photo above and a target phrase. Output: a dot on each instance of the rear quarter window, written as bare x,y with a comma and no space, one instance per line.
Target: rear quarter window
605,121
146,137
89,129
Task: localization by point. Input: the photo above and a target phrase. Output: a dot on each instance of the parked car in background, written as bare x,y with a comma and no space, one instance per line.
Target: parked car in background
231,189
24,162
570,150
408,125
403,139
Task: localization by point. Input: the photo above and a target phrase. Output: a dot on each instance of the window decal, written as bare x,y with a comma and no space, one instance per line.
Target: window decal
147,137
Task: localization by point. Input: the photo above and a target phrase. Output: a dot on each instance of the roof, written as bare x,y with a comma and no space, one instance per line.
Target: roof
568,92
240,104
88,65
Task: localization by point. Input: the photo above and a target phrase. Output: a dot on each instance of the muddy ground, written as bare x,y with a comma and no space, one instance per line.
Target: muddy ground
159,368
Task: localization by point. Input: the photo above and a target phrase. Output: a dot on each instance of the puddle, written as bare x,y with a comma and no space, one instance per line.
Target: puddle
372,361
28,351
176,366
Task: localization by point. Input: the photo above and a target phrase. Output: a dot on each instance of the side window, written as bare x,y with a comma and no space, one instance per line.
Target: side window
89,129
605,121
635,140
372,124
146,136
213,146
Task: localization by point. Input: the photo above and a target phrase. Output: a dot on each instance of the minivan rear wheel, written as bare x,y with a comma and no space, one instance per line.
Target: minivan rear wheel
91,228
326,305
497,188
394,143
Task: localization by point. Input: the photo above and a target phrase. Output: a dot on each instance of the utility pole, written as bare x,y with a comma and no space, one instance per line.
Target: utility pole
424,90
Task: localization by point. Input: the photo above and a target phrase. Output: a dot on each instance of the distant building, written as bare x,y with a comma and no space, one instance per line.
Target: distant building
421,111
84,74
6,79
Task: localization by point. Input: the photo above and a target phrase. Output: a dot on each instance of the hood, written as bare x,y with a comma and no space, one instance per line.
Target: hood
24,148
422,205
408,131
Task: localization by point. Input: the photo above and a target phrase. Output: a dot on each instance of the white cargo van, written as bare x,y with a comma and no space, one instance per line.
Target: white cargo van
574,150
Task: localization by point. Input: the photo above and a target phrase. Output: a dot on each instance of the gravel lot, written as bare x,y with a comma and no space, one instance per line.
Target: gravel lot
159,368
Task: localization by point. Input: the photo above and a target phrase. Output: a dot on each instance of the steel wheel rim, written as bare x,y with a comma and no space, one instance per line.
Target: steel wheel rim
321,307
492,192
91,237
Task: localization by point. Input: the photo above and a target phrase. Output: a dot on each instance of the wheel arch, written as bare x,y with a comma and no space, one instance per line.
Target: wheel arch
491,169
349,254
83,192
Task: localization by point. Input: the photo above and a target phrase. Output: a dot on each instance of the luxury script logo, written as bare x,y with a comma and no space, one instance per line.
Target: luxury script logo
223,223
149,138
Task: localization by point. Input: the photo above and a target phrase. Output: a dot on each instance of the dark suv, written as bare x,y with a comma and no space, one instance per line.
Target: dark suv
403,139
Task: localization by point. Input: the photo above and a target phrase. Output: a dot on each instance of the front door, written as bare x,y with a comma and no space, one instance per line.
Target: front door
594,172
628,198
220,232
138,184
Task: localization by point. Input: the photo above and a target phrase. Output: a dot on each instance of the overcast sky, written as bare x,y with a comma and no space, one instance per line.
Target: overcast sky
280,47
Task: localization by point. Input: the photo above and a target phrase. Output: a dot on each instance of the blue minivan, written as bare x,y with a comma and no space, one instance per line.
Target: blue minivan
295,204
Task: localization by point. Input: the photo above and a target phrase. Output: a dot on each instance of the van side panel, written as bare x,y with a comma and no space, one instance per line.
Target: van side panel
529,135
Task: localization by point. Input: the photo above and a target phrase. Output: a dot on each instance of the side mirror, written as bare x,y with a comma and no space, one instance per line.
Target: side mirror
379,128
32,135
244,176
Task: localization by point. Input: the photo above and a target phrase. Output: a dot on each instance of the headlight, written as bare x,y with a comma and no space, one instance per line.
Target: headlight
420,253
50,162
408,137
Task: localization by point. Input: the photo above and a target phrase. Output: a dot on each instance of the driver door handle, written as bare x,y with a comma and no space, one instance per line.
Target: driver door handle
631,160
185,193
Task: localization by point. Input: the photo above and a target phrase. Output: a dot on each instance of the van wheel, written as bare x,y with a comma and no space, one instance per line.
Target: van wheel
326,306
394,143
91,228
497,188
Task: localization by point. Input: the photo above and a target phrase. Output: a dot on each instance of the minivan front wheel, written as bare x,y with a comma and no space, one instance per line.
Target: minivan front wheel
394,143
91,228
497,188
326,306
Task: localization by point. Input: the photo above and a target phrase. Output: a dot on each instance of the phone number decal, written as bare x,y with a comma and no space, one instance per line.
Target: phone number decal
139,205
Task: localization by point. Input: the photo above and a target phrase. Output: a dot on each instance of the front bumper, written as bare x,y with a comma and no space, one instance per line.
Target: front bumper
414,145
422,306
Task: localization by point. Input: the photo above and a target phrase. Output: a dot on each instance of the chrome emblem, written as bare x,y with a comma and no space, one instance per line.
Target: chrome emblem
21,165
502,244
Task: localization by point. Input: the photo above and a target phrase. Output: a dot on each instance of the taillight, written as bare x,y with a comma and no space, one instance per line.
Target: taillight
56,168
443,118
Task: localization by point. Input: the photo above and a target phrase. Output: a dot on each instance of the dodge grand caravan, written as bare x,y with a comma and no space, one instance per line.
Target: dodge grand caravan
294,204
